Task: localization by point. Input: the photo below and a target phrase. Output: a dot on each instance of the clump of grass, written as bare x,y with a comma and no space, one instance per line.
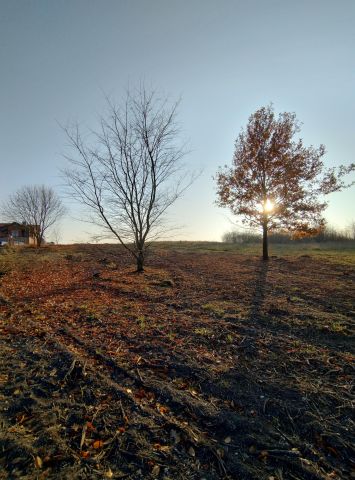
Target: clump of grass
296,299
141,321
171,336
230,338
337,327
224,383
163,283
74,257
214,308
88,313
9,249
93,318
203,331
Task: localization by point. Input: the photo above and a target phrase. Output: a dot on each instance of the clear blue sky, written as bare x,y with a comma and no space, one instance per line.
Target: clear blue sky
225,58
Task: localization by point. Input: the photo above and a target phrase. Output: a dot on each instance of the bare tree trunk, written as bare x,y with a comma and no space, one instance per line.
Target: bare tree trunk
265,241
38,240
140,262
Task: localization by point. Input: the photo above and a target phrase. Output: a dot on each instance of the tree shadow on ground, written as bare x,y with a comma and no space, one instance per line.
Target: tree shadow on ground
258,296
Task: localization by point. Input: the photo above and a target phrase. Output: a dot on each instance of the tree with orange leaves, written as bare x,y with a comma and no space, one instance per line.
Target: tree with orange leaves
276,182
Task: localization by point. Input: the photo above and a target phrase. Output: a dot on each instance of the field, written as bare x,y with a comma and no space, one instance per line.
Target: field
210,365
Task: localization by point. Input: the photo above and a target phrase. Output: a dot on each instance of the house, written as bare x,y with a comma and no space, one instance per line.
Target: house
17,234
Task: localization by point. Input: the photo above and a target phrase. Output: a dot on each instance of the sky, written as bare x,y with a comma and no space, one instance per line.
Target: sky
223,58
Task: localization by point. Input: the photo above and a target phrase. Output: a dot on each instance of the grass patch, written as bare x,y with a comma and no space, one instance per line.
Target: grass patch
216,309
206,332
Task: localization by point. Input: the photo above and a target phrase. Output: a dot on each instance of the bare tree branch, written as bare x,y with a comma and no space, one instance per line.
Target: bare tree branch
134,172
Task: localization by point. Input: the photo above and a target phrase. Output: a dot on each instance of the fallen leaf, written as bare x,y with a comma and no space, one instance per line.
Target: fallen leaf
192,452
263,455
108,473
162,448
165,448
332,451
141,393
220,452
227,440
90,426
21,418
38,462
156,470
163,410
98,444
83,436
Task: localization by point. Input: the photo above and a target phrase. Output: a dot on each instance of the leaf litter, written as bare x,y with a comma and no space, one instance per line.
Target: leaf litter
235,369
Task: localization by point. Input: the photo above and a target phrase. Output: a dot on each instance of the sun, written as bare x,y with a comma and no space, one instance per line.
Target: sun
268,206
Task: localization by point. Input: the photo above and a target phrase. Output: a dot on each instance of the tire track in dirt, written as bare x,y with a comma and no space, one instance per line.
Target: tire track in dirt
204,416
73,372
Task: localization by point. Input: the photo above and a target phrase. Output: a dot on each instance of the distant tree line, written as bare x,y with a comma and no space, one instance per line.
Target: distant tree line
328,234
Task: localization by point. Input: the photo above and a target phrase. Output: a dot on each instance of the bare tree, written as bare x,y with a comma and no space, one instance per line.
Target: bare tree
56,235
37,206
132,170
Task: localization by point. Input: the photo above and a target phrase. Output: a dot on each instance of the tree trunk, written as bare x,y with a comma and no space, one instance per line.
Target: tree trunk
265,241
140,262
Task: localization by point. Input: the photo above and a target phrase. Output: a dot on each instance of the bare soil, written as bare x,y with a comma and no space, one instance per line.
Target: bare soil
207,366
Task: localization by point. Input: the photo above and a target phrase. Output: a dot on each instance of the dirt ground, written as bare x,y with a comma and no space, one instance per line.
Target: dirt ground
210,365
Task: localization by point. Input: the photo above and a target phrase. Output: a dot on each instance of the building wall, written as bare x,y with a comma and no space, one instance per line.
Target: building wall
16,235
